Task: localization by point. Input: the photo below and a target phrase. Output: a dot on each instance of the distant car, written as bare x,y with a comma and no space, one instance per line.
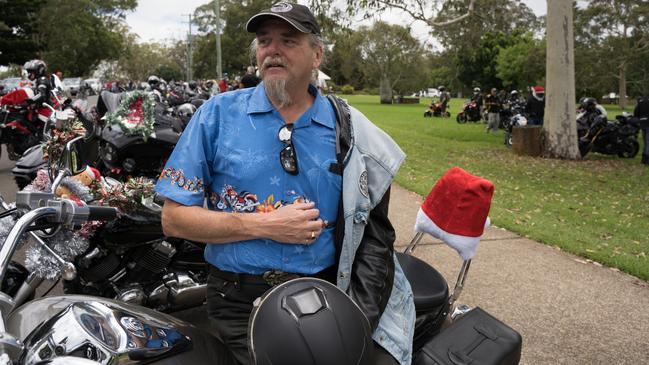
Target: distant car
94,84
433,93
72,85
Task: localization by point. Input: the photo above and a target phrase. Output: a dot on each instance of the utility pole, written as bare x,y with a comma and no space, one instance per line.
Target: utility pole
190,58
217,11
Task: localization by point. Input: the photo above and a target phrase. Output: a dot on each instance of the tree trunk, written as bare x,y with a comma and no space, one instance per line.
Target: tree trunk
386,91
622,91
560,116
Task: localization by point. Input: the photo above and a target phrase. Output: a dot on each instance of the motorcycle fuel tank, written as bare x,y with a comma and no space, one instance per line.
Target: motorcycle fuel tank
110,332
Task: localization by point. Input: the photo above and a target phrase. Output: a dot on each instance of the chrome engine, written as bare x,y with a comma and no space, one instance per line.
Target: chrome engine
146,275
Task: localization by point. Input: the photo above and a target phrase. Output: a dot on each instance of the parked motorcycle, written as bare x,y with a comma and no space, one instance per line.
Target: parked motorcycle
470,113
113,151
516,118
126,154
618,137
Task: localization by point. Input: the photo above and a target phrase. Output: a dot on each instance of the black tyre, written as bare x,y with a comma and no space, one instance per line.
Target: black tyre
508,140
428,114
461,118
447,114
629,148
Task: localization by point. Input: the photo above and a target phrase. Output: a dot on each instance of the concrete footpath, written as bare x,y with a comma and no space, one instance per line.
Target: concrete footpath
568,310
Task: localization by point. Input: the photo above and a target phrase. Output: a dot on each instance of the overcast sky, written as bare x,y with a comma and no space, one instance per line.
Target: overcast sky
157,20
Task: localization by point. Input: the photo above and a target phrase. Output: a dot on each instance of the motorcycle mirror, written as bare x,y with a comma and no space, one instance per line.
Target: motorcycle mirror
73,154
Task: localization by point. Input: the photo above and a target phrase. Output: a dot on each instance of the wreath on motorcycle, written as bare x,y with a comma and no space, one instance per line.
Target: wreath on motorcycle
135,115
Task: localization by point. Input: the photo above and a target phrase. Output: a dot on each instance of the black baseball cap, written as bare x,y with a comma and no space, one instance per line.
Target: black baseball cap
299,16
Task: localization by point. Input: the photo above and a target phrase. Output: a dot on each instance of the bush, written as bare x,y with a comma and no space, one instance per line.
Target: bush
347,90
371,91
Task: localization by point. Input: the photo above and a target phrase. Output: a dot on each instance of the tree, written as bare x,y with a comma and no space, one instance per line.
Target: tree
620,28
478,65
75,35
522,64
235,41
18,31
391,56
459,25
343,61
559,122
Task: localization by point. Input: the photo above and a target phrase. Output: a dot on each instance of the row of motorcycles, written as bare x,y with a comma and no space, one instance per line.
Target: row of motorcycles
122,278
595,132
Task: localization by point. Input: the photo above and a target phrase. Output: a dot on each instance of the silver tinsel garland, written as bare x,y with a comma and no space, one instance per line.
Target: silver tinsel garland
66,243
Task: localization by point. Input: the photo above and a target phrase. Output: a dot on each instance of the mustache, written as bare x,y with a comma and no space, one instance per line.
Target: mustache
273,61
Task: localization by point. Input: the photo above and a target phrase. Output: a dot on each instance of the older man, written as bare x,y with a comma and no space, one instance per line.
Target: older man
281,202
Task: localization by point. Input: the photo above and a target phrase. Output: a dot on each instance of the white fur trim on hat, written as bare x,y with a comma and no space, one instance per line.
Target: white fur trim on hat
465,246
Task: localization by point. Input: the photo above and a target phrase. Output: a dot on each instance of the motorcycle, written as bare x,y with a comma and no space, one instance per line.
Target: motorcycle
516,118
21,125
470,113
126,154
437,110
113,151
618,137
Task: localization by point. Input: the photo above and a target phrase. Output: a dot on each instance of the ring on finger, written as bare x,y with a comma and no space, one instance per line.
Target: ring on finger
312,235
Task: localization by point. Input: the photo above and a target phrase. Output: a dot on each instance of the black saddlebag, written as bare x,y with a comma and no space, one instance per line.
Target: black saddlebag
476,339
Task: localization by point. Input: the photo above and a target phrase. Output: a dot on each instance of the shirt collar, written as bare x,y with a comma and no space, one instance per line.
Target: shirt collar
321,110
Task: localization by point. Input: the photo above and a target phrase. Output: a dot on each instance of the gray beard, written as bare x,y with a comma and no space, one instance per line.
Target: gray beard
277,93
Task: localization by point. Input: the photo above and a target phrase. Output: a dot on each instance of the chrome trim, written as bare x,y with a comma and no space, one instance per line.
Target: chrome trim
10,243
459,284
108,333
413,244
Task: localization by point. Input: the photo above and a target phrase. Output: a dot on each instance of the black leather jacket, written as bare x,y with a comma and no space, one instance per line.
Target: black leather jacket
373,268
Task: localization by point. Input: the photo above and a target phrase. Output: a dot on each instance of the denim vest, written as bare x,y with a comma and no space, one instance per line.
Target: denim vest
370,165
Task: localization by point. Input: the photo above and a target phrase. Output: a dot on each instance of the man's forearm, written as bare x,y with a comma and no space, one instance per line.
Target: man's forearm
203,225
294,223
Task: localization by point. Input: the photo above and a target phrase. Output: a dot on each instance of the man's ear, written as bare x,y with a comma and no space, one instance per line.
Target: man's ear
317,60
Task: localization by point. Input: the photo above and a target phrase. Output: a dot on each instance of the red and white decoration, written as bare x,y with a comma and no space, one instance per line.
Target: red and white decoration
456,211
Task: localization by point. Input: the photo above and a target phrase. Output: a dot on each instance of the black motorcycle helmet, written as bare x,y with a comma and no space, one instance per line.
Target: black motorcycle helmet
185,112
441,88
154,81
308,321
35,69
588,103
193,85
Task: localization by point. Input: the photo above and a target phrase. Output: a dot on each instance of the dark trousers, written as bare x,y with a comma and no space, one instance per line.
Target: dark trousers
645,151
229,304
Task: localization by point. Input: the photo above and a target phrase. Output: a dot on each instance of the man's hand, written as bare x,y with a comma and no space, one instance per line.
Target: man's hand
294,223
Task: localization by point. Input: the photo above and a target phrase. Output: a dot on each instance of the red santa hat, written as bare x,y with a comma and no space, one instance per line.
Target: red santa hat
456,211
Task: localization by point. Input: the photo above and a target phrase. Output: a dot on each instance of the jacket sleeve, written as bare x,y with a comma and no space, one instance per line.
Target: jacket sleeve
373,268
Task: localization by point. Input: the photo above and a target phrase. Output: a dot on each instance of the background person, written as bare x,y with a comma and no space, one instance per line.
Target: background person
266,159
493,106
535,106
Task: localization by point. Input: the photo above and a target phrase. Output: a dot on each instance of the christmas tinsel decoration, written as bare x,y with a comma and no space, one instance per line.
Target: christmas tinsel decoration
67,244
135,114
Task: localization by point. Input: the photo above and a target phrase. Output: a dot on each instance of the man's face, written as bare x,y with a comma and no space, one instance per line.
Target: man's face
284,53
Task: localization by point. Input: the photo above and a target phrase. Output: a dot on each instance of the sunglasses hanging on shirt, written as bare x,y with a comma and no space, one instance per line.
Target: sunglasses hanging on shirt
287,156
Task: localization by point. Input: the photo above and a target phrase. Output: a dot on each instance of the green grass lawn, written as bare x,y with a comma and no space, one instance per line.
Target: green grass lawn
597,208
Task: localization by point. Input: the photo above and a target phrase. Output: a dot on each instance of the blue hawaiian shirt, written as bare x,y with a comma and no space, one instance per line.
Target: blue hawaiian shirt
228,160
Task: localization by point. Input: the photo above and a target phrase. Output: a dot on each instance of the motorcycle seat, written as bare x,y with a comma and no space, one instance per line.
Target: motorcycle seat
428,285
